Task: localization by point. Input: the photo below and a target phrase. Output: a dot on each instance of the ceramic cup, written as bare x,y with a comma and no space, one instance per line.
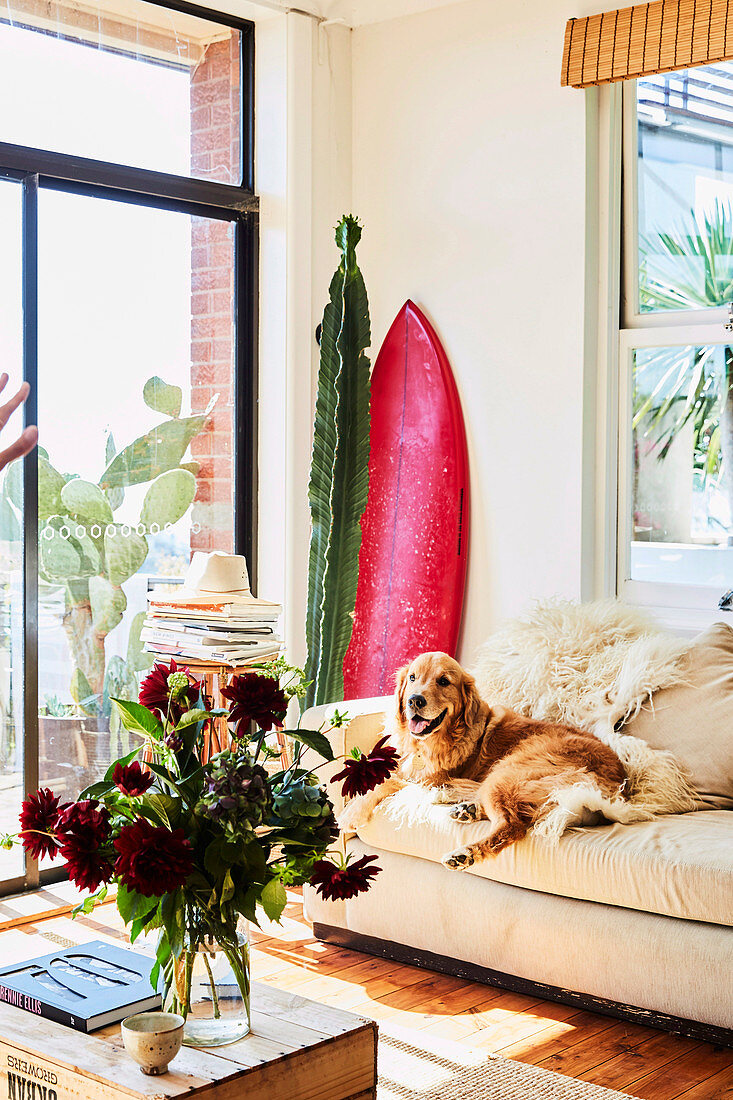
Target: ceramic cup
153,1039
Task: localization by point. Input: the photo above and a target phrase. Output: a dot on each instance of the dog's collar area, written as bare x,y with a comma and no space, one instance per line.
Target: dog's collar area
495,716
428,729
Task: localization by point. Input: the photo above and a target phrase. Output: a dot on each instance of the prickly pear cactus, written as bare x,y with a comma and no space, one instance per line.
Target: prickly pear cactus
87,550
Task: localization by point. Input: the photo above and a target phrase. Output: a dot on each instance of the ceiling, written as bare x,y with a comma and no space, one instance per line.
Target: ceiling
354,13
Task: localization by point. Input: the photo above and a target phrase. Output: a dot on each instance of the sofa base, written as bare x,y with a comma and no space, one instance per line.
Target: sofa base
412,956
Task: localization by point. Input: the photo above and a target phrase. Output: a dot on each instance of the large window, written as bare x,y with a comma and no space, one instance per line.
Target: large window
676,352
127,299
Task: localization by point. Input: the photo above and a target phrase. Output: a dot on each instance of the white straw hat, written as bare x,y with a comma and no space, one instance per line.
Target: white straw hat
217,572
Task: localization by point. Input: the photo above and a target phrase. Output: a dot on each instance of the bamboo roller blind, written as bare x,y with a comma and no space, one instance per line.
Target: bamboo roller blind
646,39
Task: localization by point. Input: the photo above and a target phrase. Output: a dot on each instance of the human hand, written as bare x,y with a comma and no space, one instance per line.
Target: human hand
27,440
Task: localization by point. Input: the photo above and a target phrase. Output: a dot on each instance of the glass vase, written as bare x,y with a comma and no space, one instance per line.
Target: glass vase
211,988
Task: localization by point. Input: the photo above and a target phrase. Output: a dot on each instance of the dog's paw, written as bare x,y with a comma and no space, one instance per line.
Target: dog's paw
465,811
458,860
353,816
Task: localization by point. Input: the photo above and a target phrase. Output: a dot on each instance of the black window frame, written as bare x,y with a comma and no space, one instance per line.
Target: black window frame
37,169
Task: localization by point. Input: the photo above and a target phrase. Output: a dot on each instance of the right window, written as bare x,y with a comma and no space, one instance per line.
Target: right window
676,352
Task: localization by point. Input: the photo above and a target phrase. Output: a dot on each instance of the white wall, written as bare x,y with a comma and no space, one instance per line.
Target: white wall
448,133
469,173
303,159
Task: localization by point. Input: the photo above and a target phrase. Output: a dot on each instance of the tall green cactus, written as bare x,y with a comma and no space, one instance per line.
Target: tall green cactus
339,478
85,549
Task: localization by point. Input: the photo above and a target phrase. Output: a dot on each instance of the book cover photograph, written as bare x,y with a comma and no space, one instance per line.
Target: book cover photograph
85,987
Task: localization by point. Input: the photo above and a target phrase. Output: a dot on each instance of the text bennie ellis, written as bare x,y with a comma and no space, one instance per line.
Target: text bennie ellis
20,1000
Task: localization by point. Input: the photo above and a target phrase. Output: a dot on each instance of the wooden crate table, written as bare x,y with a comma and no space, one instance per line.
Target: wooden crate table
297,1050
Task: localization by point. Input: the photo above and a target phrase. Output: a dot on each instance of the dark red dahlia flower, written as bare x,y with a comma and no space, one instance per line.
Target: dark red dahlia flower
152,860
83,833
255,698
131,779
156,694
361,775
39,817
336,883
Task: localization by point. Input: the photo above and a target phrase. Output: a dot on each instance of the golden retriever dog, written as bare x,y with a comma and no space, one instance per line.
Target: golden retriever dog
504,765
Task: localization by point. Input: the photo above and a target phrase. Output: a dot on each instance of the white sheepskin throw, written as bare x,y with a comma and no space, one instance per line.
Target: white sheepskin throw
591,665
578,663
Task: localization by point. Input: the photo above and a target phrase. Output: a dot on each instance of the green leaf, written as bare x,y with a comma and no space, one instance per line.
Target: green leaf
50,484
85,501
125,551
245,902
227,887
60,558
155,974
152,454
339,477
138,719
220,855
172,784
137,658
108,603
110,450
96,790
314,740
274,899
192,717
162,397
82,694
85,907
163,809
124,761
133,906
172,917
120,682
168,498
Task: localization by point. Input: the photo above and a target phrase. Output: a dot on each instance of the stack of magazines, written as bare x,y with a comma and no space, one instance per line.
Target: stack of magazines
225,628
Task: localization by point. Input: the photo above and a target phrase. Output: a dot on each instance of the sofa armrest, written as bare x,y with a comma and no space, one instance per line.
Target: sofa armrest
363,728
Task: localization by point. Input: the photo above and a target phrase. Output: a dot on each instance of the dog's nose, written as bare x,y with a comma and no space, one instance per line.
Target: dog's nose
417,702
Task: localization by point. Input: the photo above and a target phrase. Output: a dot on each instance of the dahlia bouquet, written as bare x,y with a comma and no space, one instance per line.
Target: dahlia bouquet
197,843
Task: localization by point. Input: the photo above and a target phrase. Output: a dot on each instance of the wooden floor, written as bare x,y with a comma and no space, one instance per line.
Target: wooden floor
636,1060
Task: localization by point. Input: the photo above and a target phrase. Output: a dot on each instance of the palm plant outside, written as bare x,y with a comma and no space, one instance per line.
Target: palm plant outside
697,274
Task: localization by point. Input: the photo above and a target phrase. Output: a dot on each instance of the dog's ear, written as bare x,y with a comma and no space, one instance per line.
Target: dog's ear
472,701
400,683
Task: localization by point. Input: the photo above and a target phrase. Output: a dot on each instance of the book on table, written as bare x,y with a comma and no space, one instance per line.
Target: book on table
85,987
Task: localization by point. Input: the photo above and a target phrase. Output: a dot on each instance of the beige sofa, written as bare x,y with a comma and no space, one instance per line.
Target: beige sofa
629,920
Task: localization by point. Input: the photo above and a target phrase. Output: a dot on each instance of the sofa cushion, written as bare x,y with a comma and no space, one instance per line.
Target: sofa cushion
678,865
694,719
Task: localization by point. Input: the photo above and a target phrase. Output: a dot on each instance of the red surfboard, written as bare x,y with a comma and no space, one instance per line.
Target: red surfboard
412,564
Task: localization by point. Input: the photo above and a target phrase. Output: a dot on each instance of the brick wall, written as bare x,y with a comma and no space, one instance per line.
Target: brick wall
214,155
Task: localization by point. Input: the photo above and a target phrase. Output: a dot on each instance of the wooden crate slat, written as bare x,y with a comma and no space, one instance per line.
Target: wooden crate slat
337,1069
299,1010
285,1031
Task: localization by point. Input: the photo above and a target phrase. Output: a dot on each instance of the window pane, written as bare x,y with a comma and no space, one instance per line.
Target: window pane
685,188
122,81
135,413
11,535
683,465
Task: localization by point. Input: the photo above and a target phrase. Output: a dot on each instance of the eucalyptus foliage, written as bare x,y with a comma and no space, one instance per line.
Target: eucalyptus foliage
339,478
